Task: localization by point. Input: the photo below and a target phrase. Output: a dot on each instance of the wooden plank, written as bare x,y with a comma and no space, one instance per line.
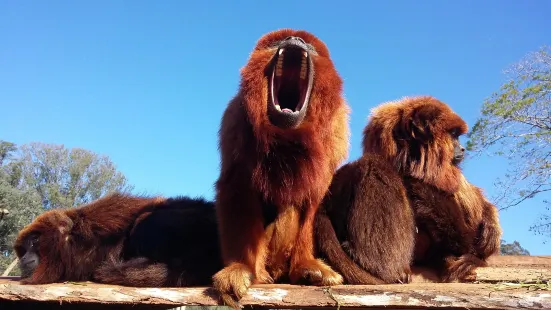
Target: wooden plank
488,291
428,295
519,260
502,269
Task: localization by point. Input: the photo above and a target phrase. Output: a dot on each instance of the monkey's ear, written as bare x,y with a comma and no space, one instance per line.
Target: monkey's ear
420,129
422,123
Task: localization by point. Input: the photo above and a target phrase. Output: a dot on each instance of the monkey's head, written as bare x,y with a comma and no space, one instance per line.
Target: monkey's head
39,247
420,137
289,79
27,253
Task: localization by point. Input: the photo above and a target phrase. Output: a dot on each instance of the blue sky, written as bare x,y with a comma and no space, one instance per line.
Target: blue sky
145,82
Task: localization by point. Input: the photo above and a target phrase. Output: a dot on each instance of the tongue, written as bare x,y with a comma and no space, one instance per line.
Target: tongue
286,110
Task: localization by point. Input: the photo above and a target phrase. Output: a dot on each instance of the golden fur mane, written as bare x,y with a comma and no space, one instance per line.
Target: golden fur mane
415,135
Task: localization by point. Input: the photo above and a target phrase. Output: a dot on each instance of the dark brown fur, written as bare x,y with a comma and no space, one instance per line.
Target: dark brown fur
365,228
266,169
458,227
126,240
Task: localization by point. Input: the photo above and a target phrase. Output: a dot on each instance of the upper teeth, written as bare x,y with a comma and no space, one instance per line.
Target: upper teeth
303,66
279,65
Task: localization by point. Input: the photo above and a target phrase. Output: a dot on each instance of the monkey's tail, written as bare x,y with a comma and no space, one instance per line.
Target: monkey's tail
137,272
329,245
461,268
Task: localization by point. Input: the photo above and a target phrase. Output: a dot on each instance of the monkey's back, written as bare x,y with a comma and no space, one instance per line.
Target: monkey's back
369,210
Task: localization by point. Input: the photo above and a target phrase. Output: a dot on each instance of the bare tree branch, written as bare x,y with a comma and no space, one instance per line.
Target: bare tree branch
516,124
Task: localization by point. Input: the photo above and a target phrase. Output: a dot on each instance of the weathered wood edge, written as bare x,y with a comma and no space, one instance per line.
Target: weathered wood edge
429,295
420,294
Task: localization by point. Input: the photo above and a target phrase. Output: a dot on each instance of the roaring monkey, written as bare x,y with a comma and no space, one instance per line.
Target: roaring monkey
458,228
281,139
125,240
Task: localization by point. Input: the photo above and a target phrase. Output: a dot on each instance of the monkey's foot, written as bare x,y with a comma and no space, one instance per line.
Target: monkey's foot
232,283
263,277
314,272
405,277
279,271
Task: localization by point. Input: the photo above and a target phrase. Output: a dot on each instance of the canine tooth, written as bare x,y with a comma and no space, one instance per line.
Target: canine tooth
305,54
278,107
281,51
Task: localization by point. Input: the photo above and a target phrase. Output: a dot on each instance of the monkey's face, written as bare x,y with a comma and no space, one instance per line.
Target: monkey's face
435,131
458,149
27,253
289,68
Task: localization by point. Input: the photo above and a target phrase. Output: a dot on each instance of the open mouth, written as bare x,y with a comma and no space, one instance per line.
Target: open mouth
290,84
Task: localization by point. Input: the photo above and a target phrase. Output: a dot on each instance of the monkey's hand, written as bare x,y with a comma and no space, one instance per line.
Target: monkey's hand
462,268
232,283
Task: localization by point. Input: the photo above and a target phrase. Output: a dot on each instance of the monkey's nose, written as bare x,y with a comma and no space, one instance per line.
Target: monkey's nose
294,38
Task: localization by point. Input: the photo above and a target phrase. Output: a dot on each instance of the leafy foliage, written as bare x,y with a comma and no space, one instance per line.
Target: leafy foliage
38,176
67,178
22,205
512,248
516,124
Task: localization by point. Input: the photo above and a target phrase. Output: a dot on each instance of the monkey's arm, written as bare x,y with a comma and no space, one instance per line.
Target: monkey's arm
241,229
489,235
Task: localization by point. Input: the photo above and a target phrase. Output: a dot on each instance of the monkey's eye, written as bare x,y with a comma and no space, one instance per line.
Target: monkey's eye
455,133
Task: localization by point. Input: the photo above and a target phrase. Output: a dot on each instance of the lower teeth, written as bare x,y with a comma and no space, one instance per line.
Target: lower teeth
285,110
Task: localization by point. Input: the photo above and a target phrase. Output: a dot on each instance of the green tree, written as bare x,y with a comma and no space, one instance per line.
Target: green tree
6,150
512,248
67,177
22,205
516,124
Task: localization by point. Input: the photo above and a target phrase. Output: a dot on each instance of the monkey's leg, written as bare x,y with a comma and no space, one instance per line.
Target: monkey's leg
242,243
304,267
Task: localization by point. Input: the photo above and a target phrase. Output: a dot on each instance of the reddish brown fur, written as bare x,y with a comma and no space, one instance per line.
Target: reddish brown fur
127,240
365,228
458,227
414,135
265,167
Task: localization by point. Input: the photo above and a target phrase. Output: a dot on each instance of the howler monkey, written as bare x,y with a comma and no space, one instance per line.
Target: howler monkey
408,175
125,240
458,228
281,138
